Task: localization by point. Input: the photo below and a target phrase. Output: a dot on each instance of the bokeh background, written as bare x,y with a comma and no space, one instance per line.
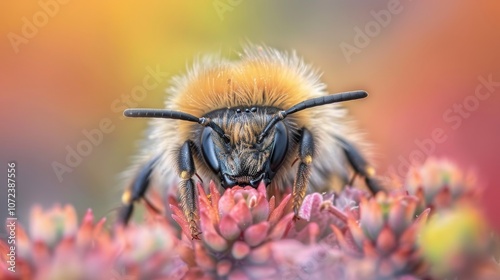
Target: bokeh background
65,66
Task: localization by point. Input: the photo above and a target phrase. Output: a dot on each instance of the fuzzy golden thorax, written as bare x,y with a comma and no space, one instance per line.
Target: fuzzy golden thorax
261,78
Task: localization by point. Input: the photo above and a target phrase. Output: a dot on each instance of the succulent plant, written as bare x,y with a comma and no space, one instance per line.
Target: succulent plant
385,235
439,183
432,230
237,232
58,249
456,243
320,211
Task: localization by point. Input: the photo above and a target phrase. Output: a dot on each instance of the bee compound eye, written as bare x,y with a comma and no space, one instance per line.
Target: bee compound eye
280,146
208,150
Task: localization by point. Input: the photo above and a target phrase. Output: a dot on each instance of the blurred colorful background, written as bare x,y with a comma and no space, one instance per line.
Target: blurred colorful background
68,68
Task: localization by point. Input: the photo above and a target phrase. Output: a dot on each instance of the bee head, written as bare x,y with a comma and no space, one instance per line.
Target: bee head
243,160
245,150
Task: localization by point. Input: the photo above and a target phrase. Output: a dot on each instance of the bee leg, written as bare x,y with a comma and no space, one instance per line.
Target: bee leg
351,181
136,192
187,187
306,152
360,166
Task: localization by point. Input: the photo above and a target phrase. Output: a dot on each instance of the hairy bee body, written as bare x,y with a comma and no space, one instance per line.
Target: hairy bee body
264,78
242,97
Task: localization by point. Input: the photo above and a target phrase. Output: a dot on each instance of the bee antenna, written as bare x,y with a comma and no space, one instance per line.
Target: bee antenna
318,101
159,113
169,114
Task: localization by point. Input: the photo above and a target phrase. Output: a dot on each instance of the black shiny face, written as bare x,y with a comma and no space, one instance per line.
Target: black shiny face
243,161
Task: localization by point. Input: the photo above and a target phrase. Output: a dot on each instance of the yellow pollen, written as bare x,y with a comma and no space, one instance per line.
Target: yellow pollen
370,171
185,175
308,160
126,197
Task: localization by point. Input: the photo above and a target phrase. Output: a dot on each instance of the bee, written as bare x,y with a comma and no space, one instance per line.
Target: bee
247,122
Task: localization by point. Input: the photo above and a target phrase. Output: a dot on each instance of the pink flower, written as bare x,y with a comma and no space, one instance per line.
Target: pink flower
385,235
246,235
60,249
439,183
238,229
